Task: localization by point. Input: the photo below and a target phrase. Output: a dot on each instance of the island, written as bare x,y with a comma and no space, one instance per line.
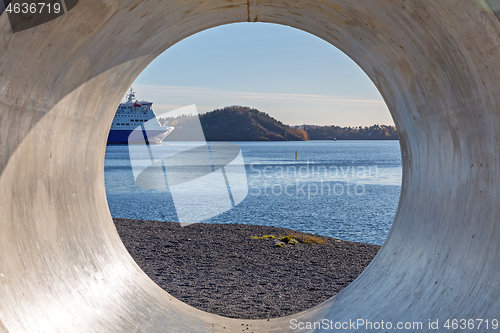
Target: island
242,123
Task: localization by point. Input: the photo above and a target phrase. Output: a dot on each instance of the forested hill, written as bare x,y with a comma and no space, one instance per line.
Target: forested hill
375,132
236,123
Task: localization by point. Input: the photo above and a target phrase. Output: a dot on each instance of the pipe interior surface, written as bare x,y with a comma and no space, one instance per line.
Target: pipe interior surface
63,267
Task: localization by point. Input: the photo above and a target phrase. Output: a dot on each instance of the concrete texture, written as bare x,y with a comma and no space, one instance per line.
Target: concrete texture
63,267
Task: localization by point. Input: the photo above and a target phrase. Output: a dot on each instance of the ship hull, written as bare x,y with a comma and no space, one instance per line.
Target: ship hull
119,137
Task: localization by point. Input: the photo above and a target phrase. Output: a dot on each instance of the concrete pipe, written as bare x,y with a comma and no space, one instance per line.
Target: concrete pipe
63,267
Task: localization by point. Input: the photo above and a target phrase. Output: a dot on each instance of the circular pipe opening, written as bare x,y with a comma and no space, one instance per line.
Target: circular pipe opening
337,188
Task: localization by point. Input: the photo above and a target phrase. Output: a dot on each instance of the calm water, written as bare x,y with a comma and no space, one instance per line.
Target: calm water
343,189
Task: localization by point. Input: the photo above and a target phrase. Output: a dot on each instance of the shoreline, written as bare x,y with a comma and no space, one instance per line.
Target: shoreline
220,269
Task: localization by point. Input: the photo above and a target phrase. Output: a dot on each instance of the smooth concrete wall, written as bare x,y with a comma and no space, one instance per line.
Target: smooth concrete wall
63,267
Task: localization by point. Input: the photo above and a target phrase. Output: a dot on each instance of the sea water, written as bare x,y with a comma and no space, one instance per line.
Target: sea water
343,189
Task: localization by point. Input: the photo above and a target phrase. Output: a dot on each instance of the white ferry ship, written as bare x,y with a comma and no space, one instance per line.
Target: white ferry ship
136,115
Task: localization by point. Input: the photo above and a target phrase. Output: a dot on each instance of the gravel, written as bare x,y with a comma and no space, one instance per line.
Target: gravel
219,268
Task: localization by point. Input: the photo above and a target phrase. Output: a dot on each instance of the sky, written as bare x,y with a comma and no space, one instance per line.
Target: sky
290,74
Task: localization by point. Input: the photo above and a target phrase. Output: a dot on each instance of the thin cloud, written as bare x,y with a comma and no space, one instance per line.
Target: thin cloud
289,108
179,91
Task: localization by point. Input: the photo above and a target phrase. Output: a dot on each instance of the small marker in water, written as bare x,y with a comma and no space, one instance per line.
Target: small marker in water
295,155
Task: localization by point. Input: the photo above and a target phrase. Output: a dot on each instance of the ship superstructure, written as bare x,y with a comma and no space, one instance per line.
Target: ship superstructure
134,115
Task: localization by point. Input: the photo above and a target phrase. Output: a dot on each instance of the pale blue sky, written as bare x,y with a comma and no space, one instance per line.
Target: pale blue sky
292,75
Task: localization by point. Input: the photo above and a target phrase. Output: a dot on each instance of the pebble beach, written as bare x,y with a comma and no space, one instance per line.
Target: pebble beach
232,271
